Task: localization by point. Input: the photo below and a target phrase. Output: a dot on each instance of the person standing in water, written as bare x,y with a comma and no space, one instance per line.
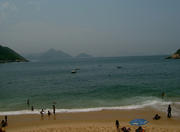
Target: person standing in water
42,114
28,102
54,109
49,114
169,111
32,108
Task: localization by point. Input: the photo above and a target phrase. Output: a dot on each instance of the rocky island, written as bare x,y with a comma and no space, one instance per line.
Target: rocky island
9,55
176,55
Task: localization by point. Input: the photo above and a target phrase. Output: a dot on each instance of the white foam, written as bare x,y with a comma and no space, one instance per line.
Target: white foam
156,104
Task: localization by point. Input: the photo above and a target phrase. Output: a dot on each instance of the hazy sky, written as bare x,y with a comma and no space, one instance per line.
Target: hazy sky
97,27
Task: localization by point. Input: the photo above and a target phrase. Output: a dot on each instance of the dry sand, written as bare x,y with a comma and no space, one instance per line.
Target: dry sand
102,121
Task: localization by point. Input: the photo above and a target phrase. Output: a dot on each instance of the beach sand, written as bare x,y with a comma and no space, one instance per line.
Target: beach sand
100,121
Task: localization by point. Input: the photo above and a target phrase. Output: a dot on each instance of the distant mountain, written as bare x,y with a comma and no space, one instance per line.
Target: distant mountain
51,54
8,55
55,54
83,55
176,55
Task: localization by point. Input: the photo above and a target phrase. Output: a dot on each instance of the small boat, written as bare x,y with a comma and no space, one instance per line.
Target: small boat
73,71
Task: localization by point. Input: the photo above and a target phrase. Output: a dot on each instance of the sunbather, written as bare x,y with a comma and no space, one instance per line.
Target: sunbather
124,129
156,117
140,129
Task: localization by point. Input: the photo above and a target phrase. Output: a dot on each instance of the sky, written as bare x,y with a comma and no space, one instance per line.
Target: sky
96,27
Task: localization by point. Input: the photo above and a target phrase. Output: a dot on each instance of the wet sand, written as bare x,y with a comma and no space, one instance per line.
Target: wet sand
101,121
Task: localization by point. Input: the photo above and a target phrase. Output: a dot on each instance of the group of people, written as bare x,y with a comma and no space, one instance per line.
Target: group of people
169,107
42,112
4,123
169,115
140,129
28,103
124,129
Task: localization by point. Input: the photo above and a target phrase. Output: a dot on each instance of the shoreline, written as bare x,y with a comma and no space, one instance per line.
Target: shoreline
158,108
91,121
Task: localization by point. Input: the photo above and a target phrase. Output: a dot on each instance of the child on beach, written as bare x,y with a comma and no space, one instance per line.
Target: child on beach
49,114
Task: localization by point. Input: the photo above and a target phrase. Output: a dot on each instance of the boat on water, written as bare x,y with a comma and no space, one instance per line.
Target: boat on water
73,71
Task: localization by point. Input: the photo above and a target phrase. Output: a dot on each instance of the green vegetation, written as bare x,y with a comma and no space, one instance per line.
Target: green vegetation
178,52
8,55
176,55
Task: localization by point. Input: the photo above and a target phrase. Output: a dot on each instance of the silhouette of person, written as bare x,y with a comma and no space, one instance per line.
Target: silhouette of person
28,102
3,123
32,108
117,125
156,117
140,129
54,109
5,118
169,111
49,114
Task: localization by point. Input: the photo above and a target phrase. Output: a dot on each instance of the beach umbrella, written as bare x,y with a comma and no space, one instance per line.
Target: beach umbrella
138,122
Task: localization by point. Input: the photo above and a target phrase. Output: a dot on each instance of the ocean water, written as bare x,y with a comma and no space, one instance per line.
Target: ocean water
98,85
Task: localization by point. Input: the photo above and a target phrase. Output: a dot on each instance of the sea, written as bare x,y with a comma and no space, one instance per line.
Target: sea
104,83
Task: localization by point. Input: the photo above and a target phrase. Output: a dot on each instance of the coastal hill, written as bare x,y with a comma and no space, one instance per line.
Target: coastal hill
83,55
9,55
176,55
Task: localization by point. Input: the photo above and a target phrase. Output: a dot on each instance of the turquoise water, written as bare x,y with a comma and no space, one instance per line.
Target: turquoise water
99,84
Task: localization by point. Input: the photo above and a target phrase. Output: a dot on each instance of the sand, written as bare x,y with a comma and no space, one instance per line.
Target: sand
101,121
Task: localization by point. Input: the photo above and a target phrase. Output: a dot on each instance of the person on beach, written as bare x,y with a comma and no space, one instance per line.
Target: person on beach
3,123
124,129
42,114
169,111
117,125
5,118
140,129
49,114
156,117
54,109
32,108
